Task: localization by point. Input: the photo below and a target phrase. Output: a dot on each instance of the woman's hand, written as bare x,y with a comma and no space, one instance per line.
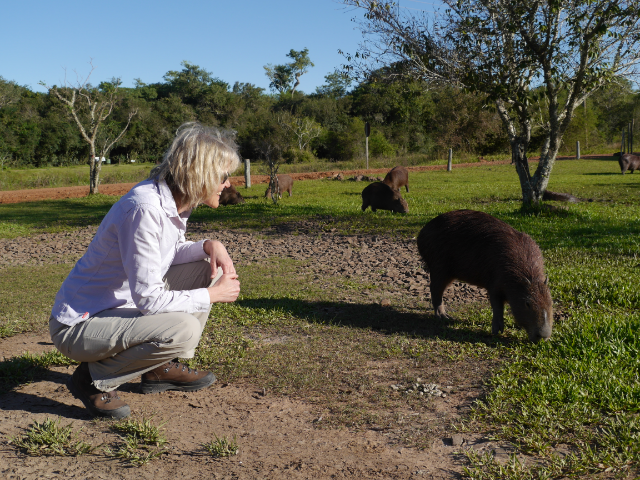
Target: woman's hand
219,258
225,290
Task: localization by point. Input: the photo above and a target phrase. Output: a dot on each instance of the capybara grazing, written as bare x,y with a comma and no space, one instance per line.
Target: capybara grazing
481,250
630,162
381,196
285,182
397,177
230,196
559,197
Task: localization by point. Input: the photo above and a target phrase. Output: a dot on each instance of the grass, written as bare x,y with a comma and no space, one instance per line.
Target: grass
49,438
221,447
316,339
27,368
48,177
141,442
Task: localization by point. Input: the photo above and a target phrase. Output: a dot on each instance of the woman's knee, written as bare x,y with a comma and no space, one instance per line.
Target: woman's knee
186,329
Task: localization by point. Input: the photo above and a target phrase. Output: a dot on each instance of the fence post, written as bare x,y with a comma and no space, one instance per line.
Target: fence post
450,160
247,173
577,149
622,144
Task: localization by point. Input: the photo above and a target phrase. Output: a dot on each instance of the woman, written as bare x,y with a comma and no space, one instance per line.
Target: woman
141,294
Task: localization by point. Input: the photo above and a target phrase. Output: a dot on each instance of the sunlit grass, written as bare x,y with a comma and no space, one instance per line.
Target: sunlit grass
292,336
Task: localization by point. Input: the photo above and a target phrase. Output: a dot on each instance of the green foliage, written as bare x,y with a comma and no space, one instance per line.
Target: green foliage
141,442
222,447
50,439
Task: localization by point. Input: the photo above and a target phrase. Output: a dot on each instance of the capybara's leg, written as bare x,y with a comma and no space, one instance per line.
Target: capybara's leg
365,204
289,191
437,287
497,305
407,187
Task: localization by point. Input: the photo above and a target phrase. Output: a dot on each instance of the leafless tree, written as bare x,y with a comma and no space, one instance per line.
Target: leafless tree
303,129
524,55
90,107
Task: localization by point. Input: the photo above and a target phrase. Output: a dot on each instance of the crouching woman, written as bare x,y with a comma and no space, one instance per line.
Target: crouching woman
140,296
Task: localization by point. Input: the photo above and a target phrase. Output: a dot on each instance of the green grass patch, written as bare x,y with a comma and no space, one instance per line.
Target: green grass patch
327,341
140,442
49,438
28,367
222,447
27,296
49,177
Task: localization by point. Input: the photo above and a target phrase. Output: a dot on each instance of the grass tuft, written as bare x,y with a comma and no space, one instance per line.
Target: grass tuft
221,447
50,438
141,442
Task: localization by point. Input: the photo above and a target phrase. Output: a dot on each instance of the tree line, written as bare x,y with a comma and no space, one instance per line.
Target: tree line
408,116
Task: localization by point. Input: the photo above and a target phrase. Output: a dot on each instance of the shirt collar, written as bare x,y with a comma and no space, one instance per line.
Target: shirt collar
166,199
168,202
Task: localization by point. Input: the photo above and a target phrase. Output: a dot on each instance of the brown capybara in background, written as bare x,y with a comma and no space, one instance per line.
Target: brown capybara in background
559,197
481,250
230,196
381,196
397,177
630,162
285,182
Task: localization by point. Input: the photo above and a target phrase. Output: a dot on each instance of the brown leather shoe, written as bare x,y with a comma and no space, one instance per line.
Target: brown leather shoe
175,376
99,404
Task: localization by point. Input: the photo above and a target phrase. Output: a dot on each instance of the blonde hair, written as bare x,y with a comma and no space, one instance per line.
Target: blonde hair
196,162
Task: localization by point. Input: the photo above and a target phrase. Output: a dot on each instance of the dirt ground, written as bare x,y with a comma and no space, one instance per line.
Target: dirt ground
278,437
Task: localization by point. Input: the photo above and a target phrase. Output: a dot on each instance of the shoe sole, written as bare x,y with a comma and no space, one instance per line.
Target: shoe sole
121,412
157,387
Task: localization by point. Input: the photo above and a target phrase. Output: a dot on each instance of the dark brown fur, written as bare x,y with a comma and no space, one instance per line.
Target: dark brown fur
285,182
559,197
481,250
397,177
629,162
379,195
230,196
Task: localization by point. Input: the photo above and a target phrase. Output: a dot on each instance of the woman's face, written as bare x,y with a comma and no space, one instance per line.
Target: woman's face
214,200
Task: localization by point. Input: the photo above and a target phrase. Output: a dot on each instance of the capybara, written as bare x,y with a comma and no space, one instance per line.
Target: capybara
381,196
559,197
285,182
481,250
230,196
397,177
630,162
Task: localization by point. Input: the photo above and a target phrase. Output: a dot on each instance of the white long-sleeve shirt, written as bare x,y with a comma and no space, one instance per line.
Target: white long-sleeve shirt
136,243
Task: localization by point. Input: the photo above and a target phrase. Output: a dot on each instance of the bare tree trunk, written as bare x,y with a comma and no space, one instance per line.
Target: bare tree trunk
94,171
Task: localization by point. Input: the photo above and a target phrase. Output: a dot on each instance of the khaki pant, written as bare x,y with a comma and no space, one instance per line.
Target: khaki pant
119,344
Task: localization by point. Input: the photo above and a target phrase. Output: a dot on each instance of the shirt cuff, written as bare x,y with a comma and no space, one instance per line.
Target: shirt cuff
200,297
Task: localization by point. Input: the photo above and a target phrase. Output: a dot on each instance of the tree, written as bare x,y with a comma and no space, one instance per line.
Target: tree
336,85
302,129
9,92
524,55
90,107
287,76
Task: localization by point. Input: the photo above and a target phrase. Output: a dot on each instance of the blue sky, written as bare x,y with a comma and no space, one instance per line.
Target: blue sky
144,39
